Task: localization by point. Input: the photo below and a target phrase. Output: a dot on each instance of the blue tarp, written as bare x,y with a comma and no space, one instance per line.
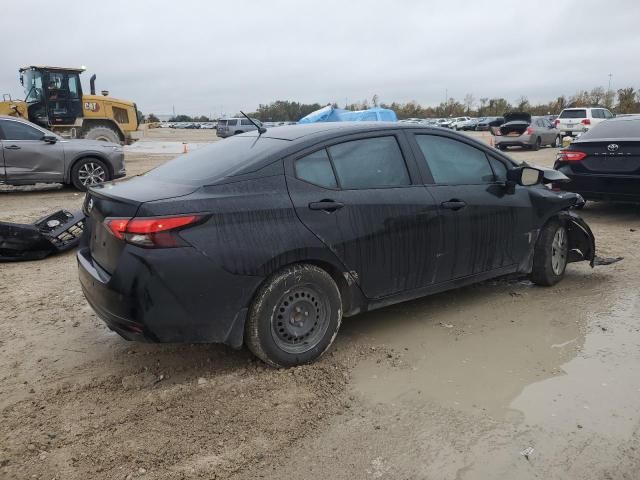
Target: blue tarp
330,114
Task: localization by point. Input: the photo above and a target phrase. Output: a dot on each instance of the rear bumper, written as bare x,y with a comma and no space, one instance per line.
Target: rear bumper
168,295
615,188
519,141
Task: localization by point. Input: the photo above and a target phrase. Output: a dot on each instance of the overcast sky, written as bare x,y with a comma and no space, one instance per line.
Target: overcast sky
219,57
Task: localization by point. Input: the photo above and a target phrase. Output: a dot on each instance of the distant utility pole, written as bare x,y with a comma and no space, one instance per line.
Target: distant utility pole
610,75
446,99
174,111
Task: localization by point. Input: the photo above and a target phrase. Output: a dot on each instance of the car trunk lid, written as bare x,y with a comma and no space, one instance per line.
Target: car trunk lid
608,157
121,200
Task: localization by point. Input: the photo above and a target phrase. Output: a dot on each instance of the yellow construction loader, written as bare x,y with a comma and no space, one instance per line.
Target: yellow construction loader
54,100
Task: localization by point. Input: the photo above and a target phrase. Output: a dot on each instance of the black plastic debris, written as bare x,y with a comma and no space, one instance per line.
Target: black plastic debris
607,260
58,232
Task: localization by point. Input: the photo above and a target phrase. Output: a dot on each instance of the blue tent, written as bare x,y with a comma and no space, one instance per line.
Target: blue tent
330,114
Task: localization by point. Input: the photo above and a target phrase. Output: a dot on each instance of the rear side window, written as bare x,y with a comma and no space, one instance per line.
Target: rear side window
453,162
316,168
232,123
368,163
245,122
19,131
573,114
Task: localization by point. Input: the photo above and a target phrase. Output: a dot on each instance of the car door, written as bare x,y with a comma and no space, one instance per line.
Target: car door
362,197
485,227
27,157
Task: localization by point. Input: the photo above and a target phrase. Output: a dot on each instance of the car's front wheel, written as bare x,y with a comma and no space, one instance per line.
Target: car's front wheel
550,254
88,172
294,317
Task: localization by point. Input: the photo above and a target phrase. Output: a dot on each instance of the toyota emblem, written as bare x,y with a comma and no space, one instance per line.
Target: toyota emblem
613,147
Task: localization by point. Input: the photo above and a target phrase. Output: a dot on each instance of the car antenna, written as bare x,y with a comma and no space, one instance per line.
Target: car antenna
260,128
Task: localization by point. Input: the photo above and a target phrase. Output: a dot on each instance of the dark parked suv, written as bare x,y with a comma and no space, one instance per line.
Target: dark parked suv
270,239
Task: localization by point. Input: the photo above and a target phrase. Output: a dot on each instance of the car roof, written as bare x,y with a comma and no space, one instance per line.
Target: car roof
302,131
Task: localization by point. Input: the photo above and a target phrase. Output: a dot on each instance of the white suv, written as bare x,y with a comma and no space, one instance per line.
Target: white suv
573,121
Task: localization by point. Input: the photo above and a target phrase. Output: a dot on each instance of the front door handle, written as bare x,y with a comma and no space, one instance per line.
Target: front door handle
454,204
326,205
13,147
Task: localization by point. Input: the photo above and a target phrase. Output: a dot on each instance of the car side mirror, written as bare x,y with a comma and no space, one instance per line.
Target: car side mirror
525,176
49,139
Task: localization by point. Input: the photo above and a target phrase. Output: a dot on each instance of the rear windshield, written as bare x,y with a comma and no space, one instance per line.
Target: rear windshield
573,114
614,129
221,159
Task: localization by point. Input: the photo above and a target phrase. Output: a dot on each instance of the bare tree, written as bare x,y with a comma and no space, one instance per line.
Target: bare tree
483,105
597,95
468,102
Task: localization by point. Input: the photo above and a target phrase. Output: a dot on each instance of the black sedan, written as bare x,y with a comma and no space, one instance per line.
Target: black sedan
604,162
271,239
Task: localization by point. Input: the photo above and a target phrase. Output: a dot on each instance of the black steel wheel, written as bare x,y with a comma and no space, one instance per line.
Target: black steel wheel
294,316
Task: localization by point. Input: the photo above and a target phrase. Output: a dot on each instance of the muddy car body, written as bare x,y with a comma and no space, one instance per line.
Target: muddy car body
520,129
271,239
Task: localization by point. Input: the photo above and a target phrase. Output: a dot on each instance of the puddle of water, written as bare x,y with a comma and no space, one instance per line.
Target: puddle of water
528,354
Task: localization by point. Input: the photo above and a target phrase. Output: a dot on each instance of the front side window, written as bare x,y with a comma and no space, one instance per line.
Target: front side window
19,131
316,168
453,162
369,163
74,86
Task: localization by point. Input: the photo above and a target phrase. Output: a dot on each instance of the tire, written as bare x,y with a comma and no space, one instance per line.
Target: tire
238,132
557,143
536,146
502,147
87,172
550,254
102,133
278,329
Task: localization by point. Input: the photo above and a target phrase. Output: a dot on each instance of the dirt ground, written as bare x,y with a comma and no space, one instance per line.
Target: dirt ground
501,380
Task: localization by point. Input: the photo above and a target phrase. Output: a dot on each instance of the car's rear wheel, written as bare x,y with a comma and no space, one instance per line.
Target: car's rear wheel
294,317
557,143
536,145
502,147
88,172
550,254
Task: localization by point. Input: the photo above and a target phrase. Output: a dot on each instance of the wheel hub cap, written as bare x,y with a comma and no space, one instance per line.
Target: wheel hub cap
300,320
559,251
91,174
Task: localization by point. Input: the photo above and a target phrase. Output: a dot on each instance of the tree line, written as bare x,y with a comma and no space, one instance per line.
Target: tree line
624,100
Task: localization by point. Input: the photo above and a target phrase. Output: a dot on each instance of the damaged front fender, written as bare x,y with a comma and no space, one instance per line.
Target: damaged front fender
58,232
582,243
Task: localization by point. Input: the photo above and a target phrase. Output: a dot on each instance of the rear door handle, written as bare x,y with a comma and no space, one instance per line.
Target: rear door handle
13,147
453,204
326,205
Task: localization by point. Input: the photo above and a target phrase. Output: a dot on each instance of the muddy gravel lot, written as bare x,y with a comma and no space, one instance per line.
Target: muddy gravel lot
497,380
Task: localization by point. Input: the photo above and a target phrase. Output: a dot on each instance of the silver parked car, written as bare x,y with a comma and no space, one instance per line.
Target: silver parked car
228,127
520,129
30,154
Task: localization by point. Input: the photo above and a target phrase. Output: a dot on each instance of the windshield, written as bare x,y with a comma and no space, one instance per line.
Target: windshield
573,114
32,82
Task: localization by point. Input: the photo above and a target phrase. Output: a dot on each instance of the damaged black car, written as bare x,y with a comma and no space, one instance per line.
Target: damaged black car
269,238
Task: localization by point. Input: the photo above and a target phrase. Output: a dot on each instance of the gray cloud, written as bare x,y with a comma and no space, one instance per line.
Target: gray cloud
220,57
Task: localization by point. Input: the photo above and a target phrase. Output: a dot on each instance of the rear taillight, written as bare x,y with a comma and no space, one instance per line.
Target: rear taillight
570,156
151,232
557,122
529,131
586,121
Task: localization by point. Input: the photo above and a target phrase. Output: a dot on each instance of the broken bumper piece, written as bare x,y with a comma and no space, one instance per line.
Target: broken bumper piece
58,232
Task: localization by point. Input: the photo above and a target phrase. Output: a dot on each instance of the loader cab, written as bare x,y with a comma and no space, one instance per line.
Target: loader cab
53,95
